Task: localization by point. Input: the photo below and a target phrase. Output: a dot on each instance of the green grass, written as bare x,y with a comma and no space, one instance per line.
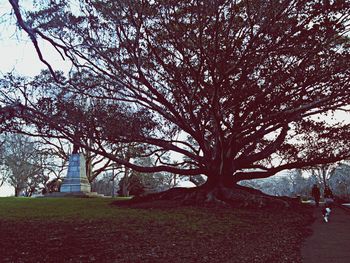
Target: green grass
97,209
46,229
56,208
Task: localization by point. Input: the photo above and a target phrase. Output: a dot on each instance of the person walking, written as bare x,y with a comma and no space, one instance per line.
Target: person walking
328,201
328,196
315,192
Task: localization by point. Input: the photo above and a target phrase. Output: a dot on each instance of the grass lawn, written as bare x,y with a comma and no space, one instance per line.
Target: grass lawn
94,230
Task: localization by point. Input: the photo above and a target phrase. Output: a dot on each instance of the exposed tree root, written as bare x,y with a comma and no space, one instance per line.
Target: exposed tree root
237,196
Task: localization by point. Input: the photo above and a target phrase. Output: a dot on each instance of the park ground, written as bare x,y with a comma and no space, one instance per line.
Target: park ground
329,241
95,230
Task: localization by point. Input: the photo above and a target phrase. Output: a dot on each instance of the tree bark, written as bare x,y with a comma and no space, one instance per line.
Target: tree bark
17,191
215,181
220,174
125,183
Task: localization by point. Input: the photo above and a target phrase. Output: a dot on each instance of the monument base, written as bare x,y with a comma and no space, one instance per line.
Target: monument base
74,194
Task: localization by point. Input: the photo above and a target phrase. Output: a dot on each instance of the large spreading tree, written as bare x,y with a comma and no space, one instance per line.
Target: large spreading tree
241,89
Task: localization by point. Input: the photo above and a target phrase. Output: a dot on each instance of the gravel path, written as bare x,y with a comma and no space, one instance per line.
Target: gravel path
330,241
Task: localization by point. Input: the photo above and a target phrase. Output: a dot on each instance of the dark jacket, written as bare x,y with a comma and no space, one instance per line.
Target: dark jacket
315,192
328,193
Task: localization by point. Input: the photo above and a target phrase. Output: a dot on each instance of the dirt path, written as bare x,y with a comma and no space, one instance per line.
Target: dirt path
330,241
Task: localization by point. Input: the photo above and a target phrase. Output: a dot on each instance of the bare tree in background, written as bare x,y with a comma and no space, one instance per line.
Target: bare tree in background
340,181
25,164
322,173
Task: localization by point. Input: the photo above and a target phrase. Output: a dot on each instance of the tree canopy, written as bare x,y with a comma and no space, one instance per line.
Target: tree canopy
240,89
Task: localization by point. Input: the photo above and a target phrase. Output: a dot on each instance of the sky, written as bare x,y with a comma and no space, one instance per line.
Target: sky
16,50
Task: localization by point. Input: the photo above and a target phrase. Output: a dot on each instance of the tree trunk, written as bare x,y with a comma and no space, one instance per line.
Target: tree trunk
124,187
17,191
88,167
324,178
124,190
219,181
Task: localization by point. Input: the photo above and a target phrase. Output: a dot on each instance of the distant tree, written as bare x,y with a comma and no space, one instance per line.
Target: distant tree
276,186
104,184
322,173
25,163
34,184
247,81
134,186
53,185
156,182
151,182
340,181
4,172
292,184
301,186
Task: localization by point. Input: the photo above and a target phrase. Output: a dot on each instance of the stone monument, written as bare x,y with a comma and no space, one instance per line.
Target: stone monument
76,183
76,180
